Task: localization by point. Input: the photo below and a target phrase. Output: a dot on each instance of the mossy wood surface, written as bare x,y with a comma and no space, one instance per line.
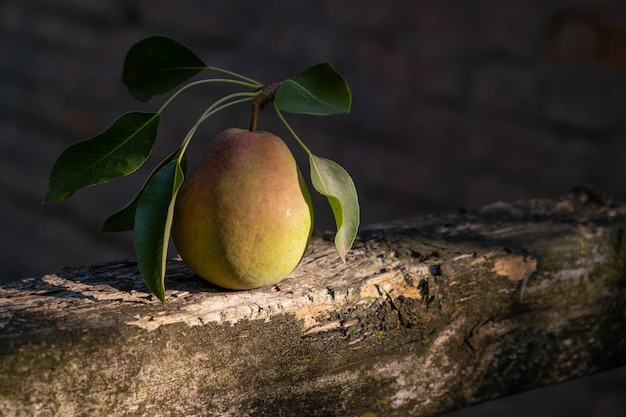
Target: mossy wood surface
426,316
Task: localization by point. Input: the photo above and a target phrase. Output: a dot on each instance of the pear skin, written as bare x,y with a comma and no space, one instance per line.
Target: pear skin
243,217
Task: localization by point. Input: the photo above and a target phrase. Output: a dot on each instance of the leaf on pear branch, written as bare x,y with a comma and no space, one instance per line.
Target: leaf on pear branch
153,221
118,151
124,219
155,65
319,90
334,182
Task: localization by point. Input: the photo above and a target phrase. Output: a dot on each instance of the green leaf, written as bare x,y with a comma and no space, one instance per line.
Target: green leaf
319,90
153,221
334,182
124,219
155,65
116,152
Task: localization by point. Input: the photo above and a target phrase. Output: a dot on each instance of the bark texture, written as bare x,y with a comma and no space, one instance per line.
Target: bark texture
426,316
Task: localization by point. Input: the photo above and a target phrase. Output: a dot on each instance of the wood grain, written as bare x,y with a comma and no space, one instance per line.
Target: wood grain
427,315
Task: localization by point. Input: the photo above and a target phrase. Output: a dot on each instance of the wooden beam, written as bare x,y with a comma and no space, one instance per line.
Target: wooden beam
426,316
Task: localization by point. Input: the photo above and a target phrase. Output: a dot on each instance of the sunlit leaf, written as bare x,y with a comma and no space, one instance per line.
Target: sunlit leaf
153,221
155,65
116,152
124,219
319,90
334,182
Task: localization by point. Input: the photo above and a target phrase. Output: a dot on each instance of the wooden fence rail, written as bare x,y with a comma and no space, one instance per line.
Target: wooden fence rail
426,316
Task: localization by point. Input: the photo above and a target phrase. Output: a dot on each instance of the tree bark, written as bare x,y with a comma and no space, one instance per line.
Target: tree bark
426,316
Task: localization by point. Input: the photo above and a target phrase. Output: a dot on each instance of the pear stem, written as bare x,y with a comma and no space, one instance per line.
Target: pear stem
265,96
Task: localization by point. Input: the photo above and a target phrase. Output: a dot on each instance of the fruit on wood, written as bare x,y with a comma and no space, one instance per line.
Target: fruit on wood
243,217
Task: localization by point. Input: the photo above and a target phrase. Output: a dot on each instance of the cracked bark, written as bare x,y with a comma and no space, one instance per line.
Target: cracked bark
428,315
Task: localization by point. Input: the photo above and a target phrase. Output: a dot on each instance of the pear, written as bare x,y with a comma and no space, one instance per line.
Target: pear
243,217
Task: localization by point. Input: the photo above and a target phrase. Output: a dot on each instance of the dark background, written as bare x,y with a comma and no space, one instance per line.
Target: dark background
456,104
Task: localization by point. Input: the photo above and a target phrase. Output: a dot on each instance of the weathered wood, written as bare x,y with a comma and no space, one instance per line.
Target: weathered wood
427,315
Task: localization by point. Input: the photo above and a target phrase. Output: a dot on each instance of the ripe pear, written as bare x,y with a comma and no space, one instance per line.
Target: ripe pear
243,217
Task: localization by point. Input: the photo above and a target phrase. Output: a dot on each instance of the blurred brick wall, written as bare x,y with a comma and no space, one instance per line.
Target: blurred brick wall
456,103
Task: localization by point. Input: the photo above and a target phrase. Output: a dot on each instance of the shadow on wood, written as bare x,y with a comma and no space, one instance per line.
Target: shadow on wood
428,315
